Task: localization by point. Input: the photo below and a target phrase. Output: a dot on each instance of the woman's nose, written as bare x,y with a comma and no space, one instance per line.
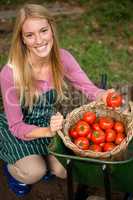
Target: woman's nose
38,39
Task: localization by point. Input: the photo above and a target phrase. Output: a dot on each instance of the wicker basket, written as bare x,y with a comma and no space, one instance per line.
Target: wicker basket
100,109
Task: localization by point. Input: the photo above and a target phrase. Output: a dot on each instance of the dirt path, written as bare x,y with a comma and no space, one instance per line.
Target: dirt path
57,9
7,23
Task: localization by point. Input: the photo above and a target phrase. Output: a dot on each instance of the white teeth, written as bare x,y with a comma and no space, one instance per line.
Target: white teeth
41,48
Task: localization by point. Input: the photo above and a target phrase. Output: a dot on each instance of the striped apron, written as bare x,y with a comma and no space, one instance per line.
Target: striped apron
12,148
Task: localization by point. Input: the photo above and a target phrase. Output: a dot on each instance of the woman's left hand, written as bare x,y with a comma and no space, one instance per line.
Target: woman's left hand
105,94
56,122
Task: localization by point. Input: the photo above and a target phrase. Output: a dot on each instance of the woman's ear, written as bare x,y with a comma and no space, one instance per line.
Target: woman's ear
24,41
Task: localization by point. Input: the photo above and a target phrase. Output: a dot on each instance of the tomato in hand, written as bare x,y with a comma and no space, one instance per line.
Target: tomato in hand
98,137
106,122
89,117
119,126
95,147
119,138
82,143
114,99
82,128
110,135
108,146
73,133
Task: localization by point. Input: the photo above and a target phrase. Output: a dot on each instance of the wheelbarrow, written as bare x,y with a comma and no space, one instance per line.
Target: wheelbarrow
111,175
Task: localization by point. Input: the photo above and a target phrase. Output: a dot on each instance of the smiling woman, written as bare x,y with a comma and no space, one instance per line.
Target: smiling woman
31,83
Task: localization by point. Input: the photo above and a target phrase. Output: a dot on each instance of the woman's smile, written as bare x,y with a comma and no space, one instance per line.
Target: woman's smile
41,48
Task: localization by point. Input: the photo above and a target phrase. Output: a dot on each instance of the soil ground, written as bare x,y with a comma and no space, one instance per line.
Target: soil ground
52,190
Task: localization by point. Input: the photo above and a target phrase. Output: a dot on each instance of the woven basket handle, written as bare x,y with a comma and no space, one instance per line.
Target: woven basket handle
129,110
59,132
131,106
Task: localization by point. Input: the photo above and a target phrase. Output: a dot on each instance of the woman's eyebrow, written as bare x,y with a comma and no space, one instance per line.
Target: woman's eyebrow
27,33
44,27
30,32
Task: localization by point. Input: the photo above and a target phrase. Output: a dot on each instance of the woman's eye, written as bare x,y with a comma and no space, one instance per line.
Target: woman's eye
29,35
44,30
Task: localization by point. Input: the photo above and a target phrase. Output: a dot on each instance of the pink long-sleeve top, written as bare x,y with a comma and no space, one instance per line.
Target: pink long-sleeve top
12,106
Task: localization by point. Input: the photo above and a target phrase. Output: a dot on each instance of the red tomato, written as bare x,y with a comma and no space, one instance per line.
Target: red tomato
119,138
95,147
73,133
102,144
109,146
82,143
82,128
119,126
106,122
96,126
110,135
89,134
114,99
98,137
89,117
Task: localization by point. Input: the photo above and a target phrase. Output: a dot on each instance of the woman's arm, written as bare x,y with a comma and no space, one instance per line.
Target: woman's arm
13,111
56,122
78,78
39,133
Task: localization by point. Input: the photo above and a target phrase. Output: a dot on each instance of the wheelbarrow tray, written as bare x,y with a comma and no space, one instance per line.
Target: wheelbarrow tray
90,171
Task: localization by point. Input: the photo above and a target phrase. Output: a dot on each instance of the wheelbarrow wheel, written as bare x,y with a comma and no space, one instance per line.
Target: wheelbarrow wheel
128,196
82,192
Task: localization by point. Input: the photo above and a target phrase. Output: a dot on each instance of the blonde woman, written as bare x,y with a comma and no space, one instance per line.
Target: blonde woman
31,83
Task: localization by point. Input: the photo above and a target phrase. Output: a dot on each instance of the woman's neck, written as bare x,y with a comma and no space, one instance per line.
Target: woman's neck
38,63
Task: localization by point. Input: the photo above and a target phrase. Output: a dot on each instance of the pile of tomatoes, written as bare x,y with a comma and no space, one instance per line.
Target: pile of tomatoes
97,133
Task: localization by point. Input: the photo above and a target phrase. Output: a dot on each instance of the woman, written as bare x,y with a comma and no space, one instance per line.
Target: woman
31,82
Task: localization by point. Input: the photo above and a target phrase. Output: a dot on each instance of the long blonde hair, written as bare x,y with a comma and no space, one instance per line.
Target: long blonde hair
18,56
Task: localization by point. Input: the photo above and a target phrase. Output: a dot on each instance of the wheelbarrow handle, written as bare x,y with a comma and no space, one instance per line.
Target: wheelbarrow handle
103,83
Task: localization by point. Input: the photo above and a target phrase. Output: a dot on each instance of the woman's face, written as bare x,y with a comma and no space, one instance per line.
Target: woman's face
38,37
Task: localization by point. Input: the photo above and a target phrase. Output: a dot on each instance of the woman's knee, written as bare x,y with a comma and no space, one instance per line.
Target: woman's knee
29,170
56,167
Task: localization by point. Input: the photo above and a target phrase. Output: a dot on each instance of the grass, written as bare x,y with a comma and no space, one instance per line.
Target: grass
3,59
99,39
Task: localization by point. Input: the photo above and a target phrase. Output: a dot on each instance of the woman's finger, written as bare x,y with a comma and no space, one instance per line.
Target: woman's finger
57,116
